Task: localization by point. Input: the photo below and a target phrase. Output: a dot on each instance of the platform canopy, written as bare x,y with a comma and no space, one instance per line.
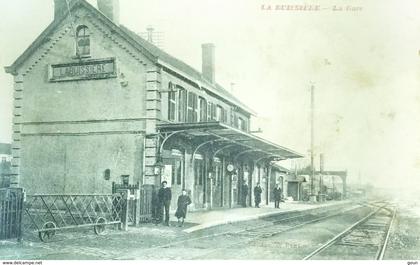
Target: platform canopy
225,136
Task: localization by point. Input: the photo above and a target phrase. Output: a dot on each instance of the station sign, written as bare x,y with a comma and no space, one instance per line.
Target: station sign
83,70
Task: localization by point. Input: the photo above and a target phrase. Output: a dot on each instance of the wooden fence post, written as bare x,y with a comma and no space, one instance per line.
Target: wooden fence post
124,210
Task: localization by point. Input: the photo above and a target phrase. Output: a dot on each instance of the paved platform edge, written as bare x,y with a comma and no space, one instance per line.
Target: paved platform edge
259,216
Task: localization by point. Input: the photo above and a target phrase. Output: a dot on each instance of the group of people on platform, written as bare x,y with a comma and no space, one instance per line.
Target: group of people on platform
163,203
277,194
163,199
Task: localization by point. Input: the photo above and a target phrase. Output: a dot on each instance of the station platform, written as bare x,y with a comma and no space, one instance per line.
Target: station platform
215,217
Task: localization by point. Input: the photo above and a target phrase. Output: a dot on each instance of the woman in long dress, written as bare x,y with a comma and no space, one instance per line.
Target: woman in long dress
181,212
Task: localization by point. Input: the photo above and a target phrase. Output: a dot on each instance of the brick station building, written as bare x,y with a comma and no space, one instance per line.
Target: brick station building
93,102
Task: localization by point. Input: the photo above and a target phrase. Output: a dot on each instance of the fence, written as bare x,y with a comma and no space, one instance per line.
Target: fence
140,202
147,203
132,200
46,214
11,204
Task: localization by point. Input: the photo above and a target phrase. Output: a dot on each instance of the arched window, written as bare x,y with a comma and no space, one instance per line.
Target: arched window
82,41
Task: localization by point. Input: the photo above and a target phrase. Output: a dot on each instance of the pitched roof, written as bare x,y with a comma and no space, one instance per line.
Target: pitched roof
187,69
156,54
5,148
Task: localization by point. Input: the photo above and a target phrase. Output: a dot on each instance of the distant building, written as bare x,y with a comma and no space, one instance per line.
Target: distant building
94,101
5,152
296,189
5,164
279,175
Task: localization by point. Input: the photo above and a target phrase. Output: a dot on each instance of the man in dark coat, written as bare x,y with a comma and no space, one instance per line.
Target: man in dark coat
244,194
277,192
164,197
257,195
181,211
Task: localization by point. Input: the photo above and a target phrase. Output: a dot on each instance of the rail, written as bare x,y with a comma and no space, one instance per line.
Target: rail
342,235
285,224
381,252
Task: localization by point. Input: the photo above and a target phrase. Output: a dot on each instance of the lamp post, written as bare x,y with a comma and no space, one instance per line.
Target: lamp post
312,196
321,178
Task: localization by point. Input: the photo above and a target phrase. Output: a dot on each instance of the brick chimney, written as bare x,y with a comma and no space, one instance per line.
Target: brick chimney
61,8
111,9
208,62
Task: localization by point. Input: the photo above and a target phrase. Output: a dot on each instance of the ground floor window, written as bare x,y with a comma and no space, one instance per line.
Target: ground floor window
217,174
199,171
177,172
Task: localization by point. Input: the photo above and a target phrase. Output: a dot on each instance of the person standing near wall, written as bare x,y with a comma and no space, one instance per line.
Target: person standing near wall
164,196
277,192
244,193
257,195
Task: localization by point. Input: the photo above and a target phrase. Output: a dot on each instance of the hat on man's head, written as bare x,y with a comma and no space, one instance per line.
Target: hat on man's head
164,182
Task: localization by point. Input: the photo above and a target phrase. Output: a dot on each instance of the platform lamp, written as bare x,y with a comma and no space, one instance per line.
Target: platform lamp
158,168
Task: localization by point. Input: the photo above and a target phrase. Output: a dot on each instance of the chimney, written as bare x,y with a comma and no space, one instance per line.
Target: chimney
61,8
111,9
150,30
208,62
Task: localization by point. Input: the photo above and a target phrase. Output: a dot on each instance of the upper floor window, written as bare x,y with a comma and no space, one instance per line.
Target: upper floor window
192,110
235,121
211,111
221,114
203,109
182,104
242,124
171,102
82,41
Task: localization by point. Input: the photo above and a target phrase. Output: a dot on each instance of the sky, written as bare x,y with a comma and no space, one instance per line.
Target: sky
364,62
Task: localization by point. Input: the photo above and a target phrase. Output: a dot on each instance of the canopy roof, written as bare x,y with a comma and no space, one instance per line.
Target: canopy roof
215,131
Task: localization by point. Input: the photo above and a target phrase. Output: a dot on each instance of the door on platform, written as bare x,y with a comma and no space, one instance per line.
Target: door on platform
293,190
217,187
173,173
199,181
226,182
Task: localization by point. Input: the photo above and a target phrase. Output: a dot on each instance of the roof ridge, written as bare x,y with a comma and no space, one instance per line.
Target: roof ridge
195,72
155,51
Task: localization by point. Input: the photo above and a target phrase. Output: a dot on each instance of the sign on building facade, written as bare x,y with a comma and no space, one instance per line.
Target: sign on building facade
91,69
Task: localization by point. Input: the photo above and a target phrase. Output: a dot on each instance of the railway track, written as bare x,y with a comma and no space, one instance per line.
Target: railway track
365,239
283,225
247,234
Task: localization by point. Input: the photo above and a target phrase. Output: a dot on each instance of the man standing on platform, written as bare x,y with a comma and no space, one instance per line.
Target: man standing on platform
257,195
164,196
244,193
277,192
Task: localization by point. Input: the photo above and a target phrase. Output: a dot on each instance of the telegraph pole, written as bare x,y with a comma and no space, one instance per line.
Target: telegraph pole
312,196
321,177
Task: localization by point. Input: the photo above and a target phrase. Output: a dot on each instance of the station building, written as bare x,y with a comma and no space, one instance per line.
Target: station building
94,103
